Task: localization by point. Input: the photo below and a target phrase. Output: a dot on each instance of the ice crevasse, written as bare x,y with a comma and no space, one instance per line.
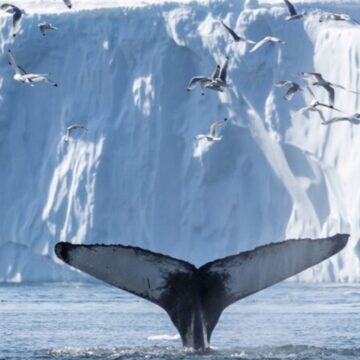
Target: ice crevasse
137,176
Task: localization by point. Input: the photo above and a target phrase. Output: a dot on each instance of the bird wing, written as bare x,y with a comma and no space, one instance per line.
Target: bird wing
311,108
331,93
36,77
5,6
291,91
282,83
234,35
216,73
195,80
330,107
9,8
70,128
68,3
223,70
16,22
214,127
16,68
317,76
339,86
67,135
48,81
250,41
335,119
76,126
321,114
275,39
290,7
259,44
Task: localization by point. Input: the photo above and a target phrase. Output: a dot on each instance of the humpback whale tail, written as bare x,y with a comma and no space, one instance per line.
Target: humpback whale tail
194,298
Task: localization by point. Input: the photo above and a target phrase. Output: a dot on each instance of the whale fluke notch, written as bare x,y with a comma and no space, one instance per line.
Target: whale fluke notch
194,298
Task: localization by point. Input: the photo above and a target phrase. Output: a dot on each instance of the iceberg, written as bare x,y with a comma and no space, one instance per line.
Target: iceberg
138,177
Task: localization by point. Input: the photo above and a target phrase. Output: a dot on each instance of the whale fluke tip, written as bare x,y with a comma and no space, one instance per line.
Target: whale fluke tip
341,240
62,250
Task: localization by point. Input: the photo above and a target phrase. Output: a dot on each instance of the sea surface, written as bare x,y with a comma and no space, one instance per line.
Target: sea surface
95,321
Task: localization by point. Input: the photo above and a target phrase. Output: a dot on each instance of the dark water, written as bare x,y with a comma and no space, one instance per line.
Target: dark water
94,321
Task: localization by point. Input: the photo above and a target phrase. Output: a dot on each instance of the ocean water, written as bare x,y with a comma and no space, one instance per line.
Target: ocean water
95,321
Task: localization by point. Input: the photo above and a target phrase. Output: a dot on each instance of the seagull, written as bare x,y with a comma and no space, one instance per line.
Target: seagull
293,14
235,36
314,108
22,76
265,40
293,88
217,81
70,129
336,17
353,119
212,136
327,85
46,26
16,13
68,3
219,78
203,80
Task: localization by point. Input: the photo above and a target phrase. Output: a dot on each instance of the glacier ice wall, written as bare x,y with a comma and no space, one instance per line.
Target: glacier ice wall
137,177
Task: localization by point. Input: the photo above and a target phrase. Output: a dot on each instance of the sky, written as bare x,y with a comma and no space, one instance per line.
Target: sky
45,6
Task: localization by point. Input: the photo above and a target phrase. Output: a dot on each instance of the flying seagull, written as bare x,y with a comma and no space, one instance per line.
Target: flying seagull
22,76
212,136
265,40
46,26
336,17
313,107
217,81
16,14
353,119
68,3
203,80
71,128
292,90
235,36
327,85
292,11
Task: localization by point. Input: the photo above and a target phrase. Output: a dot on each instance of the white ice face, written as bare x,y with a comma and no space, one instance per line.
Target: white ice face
133,178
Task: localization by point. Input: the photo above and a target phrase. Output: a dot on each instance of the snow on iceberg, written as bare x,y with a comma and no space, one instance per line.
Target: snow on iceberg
136,177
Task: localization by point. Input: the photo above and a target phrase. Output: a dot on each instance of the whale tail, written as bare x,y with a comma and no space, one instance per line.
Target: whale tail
194,298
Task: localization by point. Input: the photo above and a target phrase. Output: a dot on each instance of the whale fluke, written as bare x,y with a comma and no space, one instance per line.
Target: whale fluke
194,298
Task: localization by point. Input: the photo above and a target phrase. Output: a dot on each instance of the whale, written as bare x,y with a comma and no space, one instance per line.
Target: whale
194,297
